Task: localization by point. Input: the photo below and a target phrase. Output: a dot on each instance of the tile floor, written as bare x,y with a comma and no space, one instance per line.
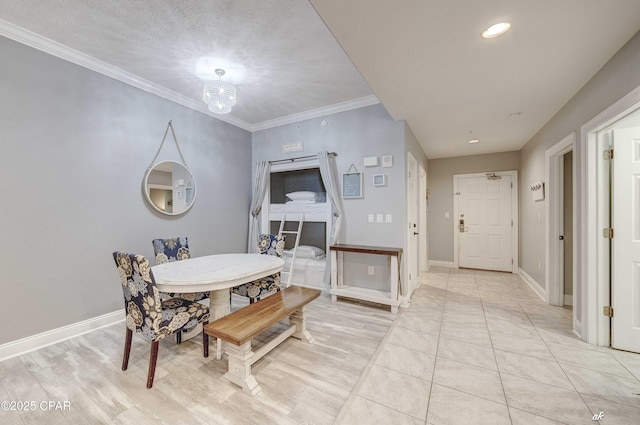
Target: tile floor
481,347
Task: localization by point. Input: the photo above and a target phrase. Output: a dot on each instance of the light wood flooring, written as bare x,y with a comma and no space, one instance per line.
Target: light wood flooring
302,383
473,348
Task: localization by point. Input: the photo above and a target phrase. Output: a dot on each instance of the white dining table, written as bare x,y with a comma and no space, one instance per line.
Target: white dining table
217,274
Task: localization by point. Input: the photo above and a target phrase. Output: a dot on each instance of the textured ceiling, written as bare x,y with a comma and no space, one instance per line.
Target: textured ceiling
278,53
424,59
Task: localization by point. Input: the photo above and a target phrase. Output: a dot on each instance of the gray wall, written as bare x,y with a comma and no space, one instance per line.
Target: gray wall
75,146
440,182
617,78
354,134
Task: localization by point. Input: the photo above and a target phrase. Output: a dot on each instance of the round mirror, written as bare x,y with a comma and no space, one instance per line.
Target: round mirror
169,187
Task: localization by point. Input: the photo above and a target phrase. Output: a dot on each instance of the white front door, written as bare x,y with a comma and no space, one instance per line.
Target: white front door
484,222
625,248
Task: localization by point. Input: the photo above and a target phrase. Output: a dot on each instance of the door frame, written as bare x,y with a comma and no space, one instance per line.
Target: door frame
590,325
410,255
554,267
423,211
514,214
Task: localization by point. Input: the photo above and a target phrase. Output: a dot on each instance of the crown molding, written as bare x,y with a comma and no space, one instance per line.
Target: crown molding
319,112
37,41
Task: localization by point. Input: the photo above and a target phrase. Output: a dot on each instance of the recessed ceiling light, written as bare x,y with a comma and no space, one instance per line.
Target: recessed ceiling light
473,141
514,116
496,30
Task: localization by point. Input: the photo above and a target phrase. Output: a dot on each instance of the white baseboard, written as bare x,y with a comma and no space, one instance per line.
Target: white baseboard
568,300
538,289
446,264
34,342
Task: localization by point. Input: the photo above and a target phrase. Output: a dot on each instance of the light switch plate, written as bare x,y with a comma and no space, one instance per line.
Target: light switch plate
379,218
370,218
387,218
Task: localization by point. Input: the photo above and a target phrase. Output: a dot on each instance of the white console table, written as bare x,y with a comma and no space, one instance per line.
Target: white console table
340,289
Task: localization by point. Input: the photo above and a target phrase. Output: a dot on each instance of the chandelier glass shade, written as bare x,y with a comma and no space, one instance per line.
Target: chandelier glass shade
219,95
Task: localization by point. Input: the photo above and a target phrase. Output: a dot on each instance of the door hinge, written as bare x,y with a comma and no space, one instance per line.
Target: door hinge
607,311
607,233
607,154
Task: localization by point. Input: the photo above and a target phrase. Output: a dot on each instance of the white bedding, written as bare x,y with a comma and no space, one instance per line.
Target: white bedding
298,207
307,272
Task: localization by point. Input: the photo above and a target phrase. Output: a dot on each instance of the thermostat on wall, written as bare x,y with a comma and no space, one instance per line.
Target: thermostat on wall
371,161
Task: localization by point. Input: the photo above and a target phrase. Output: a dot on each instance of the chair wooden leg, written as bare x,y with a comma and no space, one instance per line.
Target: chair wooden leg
251,300
127,349
153,357
205,341
179,337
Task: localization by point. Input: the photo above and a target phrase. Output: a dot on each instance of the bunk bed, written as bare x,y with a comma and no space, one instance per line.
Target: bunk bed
295,193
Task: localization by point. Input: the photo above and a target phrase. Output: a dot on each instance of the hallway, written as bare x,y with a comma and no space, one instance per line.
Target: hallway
480,347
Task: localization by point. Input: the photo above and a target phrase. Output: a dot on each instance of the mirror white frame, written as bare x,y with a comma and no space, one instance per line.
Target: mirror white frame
169,187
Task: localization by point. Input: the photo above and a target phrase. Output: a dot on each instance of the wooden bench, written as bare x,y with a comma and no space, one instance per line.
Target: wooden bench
241,326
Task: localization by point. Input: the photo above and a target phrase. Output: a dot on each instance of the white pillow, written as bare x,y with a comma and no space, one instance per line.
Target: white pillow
307,251
302,196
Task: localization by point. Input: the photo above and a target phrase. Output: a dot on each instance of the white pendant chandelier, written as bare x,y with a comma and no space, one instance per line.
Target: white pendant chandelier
219,95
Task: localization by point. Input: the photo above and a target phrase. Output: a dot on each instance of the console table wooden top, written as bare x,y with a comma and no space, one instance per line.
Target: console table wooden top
365,249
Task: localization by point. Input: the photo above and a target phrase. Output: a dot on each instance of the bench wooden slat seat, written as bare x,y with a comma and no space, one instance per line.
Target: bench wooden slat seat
241,326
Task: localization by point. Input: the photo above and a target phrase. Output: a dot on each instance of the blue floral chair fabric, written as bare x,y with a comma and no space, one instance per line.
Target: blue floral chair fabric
148,315
175,249
263,287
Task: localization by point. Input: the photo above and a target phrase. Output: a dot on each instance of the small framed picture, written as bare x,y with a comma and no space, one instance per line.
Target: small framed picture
379,179
351,185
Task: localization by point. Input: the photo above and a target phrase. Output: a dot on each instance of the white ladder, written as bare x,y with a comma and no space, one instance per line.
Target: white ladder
281,231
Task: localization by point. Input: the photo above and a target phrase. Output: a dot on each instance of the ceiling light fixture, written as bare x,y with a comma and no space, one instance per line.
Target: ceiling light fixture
471,139
219,95
496,30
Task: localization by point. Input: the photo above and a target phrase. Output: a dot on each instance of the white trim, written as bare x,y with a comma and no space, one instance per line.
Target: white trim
593,327
514,214
53,336
445,264
568,299
316,113
554,206
537,288
38,42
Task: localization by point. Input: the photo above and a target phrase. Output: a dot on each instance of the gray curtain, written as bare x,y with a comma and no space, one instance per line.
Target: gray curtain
329,173
260,184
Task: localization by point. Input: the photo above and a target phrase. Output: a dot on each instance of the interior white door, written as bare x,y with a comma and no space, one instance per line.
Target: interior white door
413,231
625,248
485,222
423,248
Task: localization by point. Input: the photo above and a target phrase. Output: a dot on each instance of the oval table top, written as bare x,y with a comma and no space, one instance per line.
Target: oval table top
214,272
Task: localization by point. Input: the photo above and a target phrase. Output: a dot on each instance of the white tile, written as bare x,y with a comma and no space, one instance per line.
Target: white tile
465,352
363,411
397,390
533,368
545,400
451,407
474,380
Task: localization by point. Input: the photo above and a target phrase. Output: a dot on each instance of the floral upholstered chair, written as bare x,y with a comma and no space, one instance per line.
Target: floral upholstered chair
175,249
148,315
263,287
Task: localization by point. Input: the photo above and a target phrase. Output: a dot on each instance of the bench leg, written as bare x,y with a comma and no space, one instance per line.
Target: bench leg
239,372
298,318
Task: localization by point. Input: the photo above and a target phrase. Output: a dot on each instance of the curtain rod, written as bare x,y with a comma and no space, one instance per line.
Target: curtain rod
299,158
